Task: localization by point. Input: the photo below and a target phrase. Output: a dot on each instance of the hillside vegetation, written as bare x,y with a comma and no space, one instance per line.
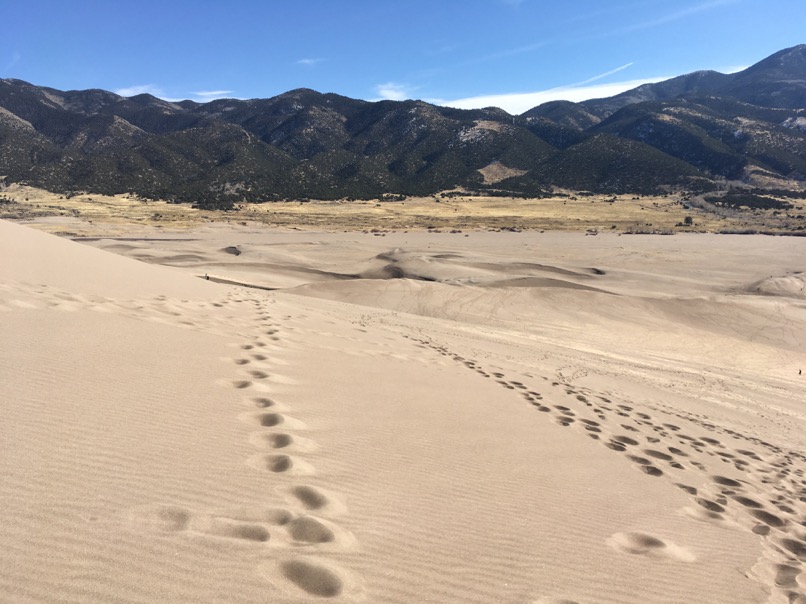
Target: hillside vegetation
690,134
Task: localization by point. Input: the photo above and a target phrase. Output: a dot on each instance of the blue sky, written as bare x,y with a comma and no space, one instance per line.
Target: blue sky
470,53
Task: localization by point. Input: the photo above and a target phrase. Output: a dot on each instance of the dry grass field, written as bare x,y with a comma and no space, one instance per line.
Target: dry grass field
457,212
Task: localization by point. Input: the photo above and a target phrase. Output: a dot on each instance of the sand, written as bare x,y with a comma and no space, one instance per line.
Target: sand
503,417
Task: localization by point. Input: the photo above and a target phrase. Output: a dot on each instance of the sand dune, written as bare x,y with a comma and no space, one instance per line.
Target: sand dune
792,286
528,417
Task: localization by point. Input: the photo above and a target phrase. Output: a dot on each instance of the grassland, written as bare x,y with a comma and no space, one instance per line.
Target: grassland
454,213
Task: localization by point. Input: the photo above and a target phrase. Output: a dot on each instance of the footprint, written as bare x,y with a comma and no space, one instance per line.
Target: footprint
278,463
161,518
687,488
232,529
279,441
310,497
703,515
658,455
786,576
310,530
709,505
282,440
728,482
747,502
636,543
272,516
795,547
768,518
644,544
312,577
271,419
268,420
281,464
324,503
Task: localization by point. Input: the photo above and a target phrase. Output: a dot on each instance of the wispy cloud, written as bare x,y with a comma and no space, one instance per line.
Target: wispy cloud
210,95
309,62
700,7
201,96
674,16
603,75
141,89
392,91
517,103
511,52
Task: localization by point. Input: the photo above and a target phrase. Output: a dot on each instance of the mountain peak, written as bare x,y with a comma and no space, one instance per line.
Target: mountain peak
787,64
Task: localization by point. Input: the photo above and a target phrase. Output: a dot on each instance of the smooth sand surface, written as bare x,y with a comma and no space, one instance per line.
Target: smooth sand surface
503,417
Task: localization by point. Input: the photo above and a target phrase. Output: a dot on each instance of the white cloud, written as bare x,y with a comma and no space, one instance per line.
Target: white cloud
603,75
309,62
517,103
141,89
733,69
201,96
210,95
392,91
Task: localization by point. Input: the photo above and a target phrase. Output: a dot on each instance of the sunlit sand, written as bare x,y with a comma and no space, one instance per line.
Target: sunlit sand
414,417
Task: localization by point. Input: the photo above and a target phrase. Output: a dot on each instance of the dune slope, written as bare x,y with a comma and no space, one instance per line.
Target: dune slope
632,433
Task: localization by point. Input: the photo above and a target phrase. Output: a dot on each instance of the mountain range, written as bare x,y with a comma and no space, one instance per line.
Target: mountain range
689,133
